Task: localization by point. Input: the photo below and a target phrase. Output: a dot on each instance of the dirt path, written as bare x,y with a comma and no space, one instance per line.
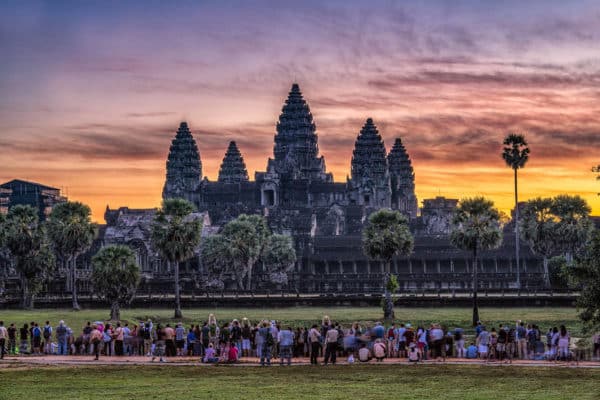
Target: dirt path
13,361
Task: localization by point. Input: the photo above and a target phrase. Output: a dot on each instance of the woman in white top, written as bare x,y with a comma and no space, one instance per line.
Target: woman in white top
563,342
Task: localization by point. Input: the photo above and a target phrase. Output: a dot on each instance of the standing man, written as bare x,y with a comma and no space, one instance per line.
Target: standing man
521,340
314,338
147,335
47,338
3,337
61,337
169,337
268,342
95,340
12,339
118,335
331,340
286,342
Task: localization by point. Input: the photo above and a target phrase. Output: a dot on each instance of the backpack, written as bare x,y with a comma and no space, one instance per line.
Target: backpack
36,332
531,337
457,336
47,332
269,341
146,332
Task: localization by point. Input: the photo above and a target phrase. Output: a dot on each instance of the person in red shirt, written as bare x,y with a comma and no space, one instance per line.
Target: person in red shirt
233,354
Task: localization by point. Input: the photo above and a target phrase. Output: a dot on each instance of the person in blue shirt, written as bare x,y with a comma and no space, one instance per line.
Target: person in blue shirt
285,337
191,339
378,331
472,351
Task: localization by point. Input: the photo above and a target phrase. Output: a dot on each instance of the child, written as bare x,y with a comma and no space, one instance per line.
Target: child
233,354
209,355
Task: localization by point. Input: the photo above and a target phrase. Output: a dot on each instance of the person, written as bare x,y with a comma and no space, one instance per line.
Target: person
267,343
314,338
169,338
379,350
364,355
459,342
413,354
191,341
61,338
564,340
23,333
391,340
596,341
510,344
437,339
210,356
95,340
3,338
47,338
521,339
286,342
472,351
483,342
36,334
107,338
12,339
127,340
179,338
331,340
205,336
147,336
159,350
246,337
118,336
233,355
401,341
236,335
501,343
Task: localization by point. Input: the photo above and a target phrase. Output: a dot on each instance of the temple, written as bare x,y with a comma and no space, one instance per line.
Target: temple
300,198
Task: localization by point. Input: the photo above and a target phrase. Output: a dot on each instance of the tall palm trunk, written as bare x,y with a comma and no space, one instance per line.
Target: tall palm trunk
388,307
517,256
546,273
24,292
115,311
73,273
475,289
178,313
250,267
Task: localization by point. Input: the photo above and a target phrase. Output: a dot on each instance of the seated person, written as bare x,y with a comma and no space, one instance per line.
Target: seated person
379,350
233,354
364,355
472,351
210,356
413,353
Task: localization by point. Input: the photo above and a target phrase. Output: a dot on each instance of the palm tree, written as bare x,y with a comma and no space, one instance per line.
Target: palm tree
176,233
71,233
262,235
476,227
115,276
387,235
26,241
244,249
516,154
279,256
538,226
216,259
574,227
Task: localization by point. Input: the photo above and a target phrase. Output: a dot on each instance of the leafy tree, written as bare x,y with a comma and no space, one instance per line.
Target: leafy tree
71,233
476,227
538,226
216,259
574,227
26,240
586,275
244,249
516,154
279,257
387,235
115,276
176,233
262,234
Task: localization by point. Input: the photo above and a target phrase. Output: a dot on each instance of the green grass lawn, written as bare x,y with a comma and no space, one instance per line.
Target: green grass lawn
301,382
301,316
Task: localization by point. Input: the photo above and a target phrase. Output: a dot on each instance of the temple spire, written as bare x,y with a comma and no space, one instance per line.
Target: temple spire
369,158
233,168
184,168
402,179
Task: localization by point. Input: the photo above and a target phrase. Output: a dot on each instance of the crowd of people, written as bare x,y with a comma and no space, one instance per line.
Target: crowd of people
231,341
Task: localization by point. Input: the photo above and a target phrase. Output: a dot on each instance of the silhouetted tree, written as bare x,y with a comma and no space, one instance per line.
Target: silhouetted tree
516,154
539,228
279,257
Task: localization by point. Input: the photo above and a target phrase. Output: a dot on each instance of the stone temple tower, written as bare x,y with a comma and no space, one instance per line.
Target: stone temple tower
184,169
296,150
370,181
233,169
402,179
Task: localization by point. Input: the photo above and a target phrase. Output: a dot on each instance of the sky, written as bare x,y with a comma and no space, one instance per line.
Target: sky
92,92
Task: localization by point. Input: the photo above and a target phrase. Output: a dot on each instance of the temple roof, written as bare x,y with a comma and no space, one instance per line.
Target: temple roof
399,161
184,168
368,157
233,169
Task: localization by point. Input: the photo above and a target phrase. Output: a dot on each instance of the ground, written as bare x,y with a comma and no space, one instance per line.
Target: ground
300,382
305,316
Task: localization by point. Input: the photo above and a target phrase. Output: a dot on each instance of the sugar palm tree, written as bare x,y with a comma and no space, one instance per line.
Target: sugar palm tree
261,235
538,225
574,226
71,232
26,241
176,233
387,235
115,276
476,227
516,154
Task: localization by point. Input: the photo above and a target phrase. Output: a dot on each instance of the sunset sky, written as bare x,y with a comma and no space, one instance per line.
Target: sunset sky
91,92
